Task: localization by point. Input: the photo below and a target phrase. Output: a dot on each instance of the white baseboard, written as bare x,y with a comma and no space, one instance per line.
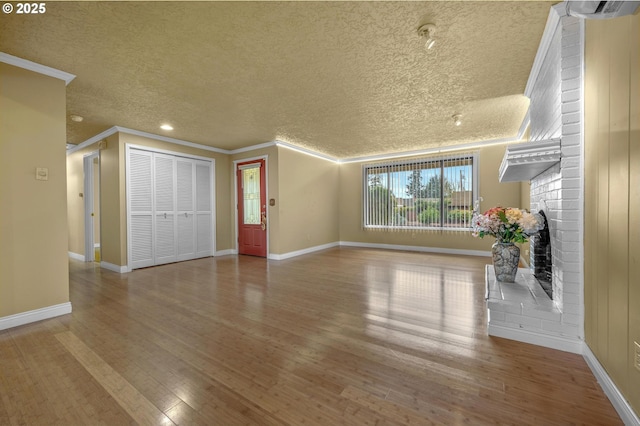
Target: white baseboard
35,315
626,413
76,256
226,252
379,246
554,342
115,268
303,251
417,248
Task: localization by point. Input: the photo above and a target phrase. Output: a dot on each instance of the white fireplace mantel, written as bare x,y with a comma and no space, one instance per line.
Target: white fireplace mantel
524,161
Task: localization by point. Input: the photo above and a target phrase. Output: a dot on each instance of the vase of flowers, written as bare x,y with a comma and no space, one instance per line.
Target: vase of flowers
508,225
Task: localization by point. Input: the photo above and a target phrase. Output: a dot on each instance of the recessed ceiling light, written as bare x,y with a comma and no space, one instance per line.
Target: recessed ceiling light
76,118
457,119
166,127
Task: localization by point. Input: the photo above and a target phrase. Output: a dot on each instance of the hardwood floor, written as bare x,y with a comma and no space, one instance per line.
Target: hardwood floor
344,336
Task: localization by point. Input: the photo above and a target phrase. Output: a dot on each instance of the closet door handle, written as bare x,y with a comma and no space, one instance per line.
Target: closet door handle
165,215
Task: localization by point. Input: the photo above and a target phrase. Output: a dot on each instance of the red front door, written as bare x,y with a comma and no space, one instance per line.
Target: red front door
252,208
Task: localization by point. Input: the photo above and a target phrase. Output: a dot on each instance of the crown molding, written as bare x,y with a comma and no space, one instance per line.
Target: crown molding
93,140
450,148
171,140
118,129
473,145
307,151
253,147
40,69
526,121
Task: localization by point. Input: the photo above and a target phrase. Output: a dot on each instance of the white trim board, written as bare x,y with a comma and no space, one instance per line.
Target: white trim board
427,151
307,151
555,13
533,338
619,402
76,256
421,249
35,67
35,315
252,147
226,252
115,268
303,251
438,150
118,129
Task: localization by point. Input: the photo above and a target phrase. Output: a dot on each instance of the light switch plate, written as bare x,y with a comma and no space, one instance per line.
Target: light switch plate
42,173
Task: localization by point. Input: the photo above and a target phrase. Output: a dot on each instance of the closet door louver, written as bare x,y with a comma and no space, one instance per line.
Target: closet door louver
141,209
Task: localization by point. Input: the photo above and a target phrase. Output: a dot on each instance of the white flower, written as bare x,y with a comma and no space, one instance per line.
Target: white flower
531,223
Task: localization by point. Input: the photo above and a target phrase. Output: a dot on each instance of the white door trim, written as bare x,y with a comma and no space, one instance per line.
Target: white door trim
235,196
88,195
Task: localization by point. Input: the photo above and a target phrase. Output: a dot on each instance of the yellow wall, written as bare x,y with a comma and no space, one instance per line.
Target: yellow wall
612,198
273,214
305,190
113,195
113,245
308,208
491,190
317,202
75,203
34,270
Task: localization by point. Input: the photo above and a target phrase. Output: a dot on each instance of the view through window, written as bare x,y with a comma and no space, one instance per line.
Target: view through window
426,193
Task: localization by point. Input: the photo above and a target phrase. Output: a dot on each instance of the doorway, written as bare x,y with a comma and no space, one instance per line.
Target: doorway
252,207
91,168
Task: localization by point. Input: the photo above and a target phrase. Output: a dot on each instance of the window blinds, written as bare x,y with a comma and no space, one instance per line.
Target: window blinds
434,193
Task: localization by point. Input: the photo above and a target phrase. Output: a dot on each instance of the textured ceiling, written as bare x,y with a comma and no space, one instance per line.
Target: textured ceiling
345,79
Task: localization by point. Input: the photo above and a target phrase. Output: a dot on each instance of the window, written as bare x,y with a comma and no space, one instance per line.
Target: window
425,193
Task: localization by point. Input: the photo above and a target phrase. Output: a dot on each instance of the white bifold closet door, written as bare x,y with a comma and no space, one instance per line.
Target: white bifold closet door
164,209
140,199
170,208
186,209
203,208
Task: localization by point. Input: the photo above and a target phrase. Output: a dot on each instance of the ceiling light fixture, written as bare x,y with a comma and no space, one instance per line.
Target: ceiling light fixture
76,118
457,119
427,31
166,127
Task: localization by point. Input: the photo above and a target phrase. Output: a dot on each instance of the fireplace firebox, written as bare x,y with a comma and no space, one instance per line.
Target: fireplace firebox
542,260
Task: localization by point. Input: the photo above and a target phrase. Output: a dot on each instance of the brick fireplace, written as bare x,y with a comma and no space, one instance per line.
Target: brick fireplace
524,311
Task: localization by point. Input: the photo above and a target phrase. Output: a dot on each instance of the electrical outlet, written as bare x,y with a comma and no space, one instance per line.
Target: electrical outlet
636,358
